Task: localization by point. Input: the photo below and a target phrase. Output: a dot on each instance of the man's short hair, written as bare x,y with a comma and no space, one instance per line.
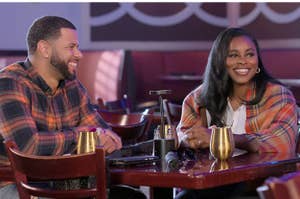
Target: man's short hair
44,28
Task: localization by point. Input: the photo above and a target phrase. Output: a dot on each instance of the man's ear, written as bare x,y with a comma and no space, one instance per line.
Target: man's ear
44,48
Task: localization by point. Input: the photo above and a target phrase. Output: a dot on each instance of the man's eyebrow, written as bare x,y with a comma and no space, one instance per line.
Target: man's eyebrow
73,44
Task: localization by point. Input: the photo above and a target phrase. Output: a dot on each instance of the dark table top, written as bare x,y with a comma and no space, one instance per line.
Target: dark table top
202,171
197,170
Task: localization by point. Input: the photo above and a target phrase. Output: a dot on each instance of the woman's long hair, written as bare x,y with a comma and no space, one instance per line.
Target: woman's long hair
217,84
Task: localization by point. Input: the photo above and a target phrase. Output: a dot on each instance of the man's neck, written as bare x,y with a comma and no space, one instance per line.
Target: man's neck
45,71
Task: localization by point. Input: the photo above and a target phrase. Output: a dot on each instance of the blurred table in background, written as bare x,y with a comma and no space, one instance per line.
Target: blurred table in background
186,83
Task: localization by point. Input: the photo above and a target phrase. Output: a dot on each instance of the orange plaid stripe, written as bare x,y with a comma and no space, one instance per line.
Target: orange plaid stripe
272,122
39,121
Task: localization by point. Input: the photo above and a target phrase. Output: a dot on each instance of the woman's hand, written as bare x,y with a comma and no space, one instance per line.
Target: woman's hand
196,137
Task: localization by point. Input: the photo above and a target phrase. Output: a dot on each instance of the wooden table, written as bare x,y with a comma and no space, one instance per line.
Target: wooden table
205,172
200,173
6,173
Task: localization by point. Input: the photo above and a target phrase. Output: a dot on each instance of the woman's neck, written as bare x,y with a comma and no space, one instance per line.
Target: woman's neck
240,90
239,95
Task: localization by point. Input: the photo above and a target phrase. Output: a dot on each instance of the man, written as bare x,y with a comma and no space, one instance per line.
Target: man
43,106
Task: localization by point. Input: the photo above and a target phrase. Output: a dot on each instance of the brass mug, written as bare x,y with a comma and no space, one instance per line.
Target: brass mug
170,133
219,165
221,143
87,142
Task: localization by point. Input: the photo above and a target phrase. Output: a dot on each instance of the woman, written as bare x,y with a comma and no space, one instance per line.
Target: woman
237,91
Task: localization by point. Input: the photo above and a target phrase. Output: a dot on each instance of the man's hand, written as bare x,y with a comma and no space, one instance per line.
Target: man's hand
109,140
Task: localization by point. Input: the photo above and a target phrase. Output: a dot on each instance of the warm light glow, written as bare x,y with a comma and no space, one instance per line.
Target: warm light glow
107,75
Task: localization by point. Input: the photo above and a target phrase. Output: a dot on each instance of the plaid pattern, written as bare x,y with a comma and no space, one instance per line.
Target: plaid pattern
39,121
272,122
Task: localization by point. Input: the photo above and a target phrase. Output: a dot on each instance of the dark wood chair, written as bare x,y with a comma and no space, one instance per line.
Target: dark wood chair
172,112
122,105
286,186
130,127
125,105
30,168
146,105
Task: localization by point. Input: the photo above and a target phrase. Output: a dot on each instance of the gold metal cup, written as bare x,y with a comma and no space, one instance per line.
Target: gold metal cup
87,142
221,143
219,165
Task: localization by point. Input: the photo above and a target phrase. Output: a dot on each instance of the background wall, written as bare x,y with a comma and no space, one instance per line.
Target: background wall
156,26
146,29
15,18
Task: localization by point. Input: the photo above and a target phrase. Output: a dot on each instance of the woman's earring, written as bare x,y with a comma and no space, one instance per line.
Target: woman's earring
258,70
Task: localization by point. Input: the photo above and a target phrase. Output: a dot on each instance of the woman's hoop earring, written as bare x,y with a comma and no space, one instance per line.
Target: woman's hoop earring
258,70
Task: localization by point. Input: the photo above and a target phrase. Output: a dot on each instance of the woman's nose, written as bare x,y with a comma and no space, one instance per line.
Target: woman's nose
241,60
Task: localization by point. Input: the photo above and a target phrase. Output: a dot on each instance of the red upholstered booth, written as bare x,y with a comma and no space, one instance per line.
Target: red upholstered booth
181,71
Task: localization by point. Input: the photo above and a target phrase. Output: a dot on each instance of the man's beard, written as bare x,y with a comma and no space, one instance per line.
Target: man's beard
62,67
